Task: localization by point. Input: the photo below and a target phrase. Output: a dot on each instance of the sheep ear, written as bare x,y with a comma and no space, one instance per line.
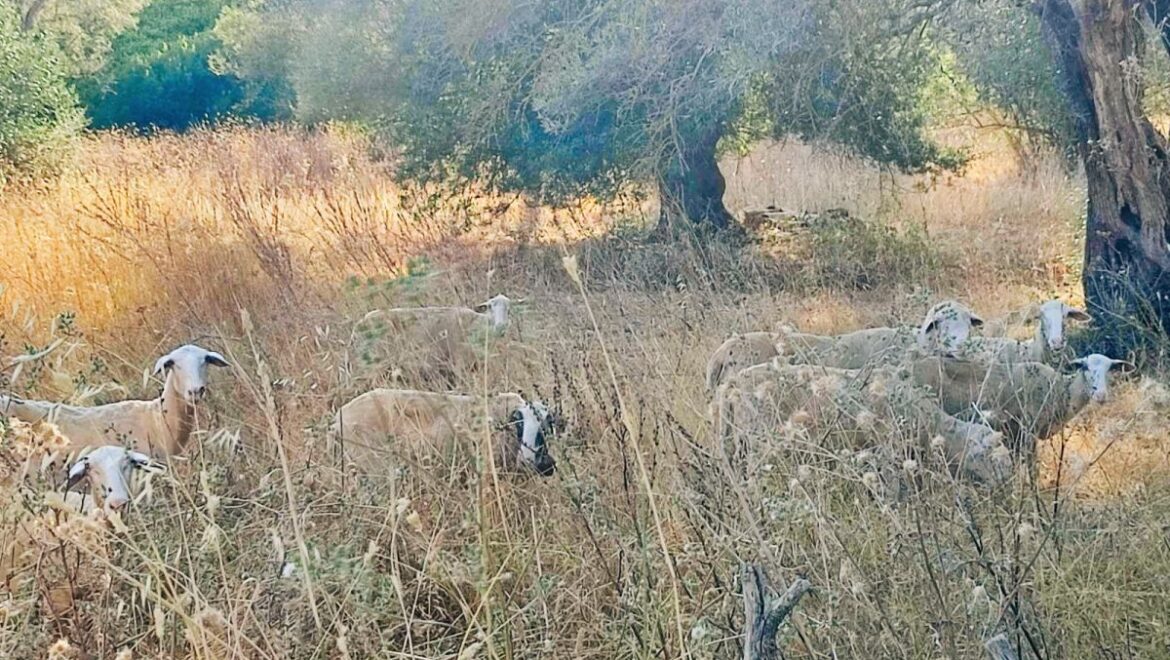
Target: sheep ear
976,321
519,301
1032,313
1077,314
1078,363
216,360
144,462
77,473
482,307
165,362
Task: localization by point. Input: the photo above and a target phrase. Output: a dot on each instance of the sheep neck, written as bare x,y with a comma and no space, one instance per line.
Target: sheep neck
178,417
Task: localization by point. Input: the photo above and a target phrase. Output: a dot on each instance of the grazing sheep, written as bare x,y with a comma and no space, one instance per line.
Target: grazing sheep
160,427
434,422
856,409
108,470
945,327
1045,347
1027,401
446,337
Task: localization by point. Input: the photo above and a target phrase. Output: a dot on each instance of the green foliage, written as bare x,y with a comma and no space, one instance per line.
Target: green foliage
159,73
38,111
83,29
999,47
252,48
559,99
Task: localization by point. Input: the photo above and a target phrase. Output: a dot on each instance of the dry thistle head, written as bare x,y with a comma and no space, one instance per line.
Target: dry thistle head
62,650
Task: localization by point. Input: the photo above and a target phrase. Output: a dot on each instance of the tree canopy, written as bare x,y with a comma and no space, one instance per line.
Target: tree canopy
38,110
559,99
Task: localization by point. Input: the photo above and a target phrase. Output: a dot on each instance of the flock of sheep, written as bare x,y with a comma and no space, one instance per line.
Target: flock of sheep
978,400
975,399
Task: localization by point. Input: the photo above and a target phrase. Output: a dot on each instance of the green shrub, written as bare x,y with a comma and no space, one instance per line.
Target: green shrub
38,111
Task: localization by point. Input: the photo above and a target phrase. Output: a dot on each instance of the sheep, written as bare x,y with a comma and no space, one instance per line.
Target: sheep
446,337
108,470
159,427
362,427
859,409
1046,346
1027,401
945,327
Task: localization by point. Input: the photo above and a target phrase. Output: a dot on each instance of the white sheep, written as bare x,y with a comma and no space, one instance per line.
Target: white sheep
444,338
946,326
1028,401
109,471
1046,346
429,422
160,427
853,410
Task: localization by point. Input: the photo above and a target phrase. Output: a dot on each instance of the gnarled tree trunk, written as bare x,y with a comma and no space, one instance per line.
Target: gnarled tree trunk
1098,45
692,187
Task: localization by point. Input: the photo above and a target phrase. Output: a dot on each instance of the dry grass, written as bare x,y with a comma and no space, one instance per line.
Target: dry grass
269,245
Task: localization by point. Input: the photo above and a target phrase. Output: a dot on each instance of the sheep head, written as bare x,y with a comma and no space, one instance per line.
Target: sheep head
497,308
947,326
1051,315
108,470
1094,371
186,370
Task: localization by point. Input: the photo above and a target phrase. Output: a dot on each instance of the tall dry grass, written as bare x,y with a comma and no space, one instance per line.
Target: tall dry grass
270,245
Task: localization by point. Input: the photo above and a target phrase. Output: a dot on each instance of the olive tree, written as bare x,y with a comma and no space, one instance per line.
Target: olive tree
564,98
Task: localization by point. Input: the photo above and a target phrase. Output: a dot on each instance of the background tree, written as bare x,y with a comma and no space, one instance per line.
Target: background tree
38,110
159,73
83,29
1099,47
560,99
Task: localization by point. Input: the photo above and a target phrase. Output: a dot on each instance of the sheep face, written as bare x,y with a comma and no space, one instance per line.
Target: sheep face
533,426
497,309
108,470
947,326
187,365
1052,315
1095,370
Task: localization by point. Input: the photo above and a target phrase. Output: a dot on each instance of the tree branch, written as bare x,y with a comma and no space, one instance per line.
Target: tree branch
1000,648
764,612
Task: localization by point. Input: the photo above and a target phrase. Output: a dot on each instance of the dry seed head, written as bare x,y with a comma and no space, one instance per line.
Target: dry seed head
211,538
870,479
401,505
804,473
938,442
211,618
1025,531
371,551
414,521
61,650
910,465
800,418
124,654
160,624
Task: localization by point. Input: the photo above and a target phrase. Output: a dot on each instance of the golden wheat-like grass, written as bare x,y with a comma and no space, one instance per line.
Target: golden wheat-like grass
270,245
